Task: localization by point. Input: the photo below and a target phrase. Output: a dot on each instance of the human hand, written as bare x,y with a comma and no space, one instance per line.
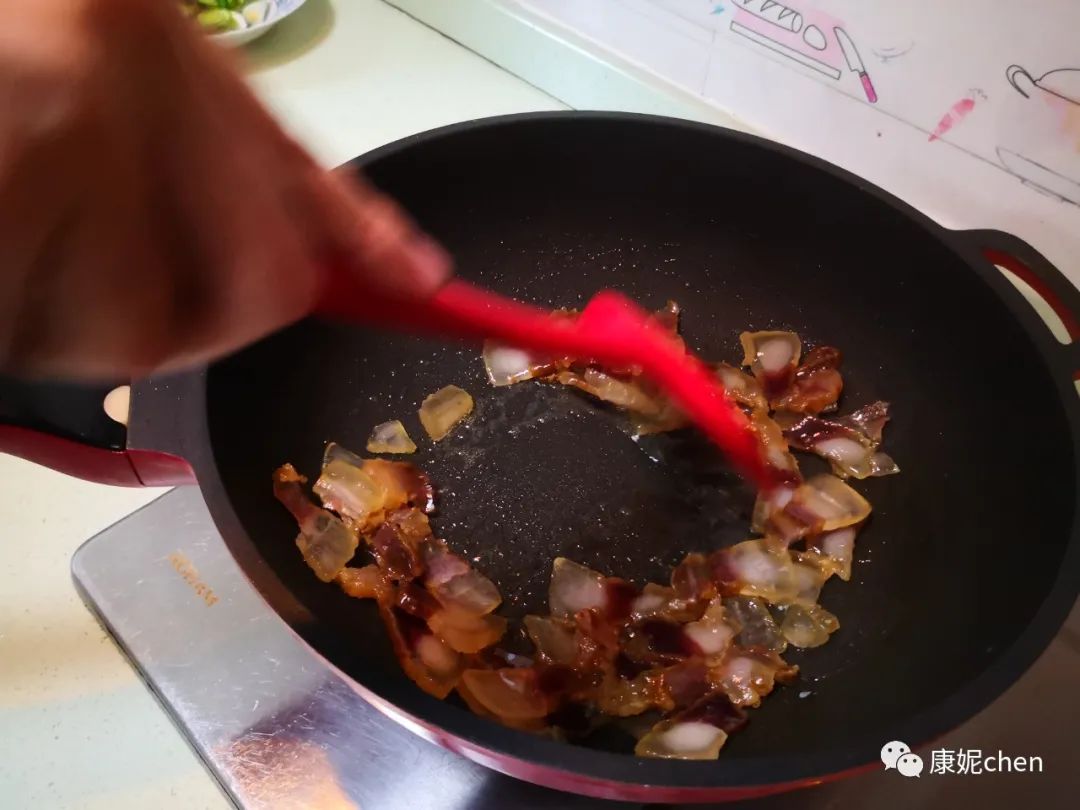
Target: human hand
152,213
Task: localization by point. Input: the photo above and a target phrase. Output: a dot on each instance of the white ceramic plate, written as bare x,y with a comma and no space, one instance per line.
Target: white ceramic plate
269,14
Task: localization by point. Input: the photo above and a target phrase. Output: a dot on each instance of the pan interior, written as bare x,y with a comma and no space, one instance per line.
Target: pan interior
963,546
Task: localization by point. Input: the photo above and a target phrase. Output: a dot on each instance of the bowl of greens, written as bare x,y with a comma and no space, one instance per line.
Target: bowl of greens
234,22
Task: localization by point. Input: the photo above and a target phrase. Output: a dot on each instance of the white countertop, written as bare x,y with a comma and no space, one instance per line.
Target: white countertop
77,727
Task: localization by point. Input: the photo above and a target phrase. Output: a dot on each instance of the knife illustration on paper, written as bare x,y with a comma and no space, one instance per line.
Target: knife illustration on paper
855,63
801,35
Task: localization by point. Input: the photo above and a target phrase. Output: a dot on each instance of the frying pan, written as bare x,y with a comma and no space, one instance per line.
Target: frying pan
965,572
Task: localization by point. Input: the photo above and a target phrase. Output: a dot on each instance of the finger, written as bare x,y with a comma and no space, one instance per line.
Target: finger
369,234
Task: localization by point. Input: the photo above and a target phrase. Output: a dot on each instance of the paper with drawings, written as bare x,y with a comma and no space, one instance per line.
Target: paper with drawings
968,110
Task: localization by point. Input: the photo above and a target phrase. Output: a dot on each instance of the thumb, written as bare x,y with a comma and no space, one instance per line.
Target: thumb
373,238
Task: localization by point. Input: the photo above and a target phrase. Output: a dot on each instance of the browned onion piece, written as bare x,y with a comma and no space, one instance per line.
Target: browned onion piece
362,583
467,632
772,357
535,724
574,588
816,384
512,694
741,387
390,437
746,676
626,697
808,625
441,411
404,484
555,639
757,627
429,663
326,543
397,553
699,732
468,592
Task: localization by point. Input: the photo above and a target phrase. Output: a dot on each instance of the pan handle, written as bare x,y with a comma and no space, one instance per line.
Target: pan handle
1026,263
64,426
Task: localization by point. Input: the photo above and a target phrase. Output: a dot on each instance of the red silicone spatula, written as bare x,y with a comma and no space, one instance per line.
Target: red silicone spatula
611,330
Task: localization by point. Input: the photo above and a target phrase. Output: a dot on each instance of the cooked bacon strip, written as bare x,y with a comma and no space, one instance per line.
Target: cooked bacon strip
756,568
815,385
630,395
326,543
698,732
746,676
821,504
713,632
845,442
364,490
775,447
575,588
773,358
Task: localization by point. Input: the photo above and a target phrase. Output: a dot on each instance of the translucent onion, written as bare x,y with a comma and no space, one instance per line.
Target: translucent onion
347,488
390,437
326,543
808,625
441,411
757,627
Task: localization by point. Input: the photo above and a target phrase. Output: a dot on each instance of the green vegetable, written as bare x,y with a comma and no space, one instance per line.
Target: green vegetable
226,4
217,19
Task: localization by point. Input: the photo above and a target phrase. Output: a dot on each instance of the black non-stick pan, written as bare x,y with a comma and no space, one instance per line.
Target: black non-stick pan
965,572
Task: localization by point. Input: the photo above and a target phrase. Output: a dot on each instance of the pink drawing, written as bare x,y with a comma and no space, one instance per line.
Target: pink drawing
957,113
809,37
1048,158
